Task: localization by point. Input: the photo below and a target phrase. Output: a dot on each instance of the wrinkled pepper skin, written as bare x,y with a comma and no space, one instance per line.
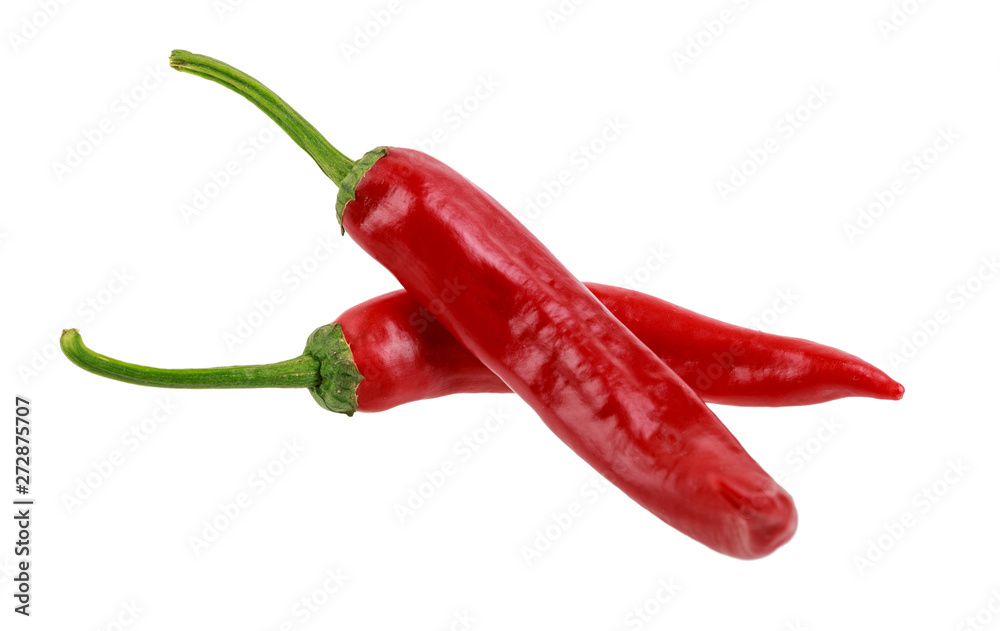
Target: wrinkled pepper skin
508,300
405,355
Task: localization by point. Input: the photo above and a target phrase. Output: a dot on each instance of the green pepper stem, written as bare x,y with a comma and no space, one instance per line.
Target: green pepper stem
333,163
301,372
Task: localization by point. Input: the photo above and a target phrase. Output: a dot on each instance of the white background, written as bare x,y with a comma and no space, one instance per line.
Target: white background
777,243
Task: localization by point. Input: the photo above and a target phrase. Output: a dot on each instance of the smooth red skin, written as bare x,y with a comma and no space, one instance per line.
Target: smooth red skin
406,355
538,328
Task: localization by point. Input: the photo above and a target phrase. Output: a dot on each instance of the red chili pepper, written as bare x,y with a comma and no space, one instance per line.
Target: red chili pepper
404,354
532,323
525,316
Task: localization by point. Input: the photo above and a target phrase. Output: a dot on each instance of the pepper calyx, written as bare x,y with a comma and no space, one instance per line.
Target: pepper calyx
337,390
353,177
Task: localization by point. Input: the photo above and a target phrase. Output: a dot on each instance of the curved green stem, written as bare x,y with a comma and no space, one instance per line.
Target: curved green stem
330,160
301,372
326,367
